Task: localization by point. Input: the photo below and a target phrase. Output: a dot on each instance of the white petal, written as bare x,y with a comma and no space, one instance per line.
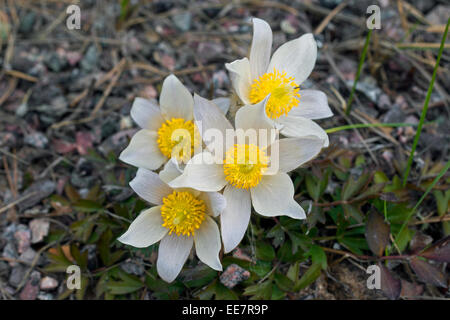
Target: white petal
173,253
301,127
254,118
146,114
293,152
145,230
274,196
261,47
143,151
240,75
208,116
313,105
223,104
236,216
148,185
175,99
207,243
215,202
212,124
201,173
171,171
296,57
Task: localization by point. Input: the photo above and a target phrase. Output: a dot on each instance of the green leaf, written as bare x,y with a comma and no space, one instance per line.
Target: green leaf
403,238
371,192
293,272
354,212
352,187
87,205
277,234
313,187
84,283
277,293
123,287
199,276
71,193
260,290
223,293
80,258
104,247
318,256
261,268
398,214
283,282
442,200
82,229
309,276
264,251
354,244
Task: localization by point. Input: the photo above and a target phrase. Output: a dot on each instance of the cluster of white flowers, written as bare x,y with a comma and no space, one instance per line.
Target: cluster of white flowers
197,187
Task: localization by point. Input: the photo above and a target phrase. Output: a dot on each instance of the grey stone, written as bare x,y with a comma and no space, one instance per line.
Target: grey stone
182,20
27,22
132,267
4,269
45,296
28,255
394,115
39,229
16,276
48,283
90,59
36,139
10,251
31,289
41,189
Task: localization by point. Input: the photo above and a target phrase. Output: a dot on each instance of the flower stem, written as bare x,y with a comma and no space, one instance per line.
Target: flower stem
425,106
430,187
358,73
369,125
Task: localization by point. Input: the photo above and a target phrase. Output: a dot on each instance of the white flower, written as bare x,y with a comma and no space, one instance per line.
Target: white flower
180,219
166,130
289,107
247,170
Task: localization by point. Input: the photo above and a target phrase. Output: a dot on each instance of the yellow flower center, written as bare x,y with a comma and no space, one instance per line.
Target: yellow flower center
182,213
283,93
179,138
244,165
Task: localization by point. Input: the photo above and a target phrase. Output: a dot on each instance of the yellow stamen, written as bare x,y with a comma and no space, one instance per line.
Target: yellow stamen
182,213
283,93
244,165
181,134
